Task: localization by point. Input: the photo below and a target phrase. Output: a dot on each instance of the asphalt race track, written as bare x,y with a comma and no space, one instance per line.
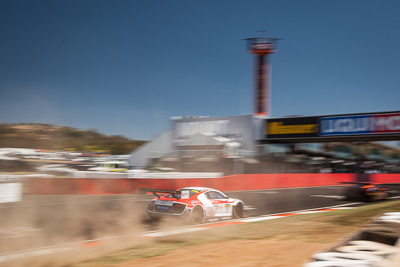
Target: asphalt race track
40,222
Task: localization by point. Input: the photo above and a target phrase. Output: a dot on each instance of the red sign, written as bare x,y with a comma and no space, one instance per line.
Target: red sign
385,123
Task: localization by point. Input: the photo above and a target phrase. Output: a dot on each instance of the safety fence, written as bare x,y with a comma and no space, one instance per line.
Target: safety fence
376,245
240,182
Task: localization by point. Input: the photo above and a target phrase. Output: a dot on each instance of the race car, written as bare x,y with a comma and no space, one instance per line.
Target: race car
194,204
365,191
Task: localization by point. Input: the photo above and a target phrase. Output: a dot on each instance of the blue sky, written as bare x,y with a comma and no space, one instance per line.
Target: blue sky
126,67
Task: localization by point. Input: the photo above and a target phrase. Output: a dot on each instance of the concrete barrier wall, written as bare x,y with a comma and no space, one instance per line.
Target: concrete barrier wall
97,186
385,178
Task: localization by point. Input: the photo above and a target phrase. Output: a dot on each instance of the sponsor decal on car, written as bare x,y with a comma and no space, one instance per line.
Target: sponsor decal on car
164,202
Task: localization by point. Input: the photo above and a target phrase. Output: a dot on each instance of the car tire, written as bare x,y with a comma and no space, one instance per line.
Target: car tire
382,234
369,247
152,217
366,198
197,215
346,257
336,263
238,211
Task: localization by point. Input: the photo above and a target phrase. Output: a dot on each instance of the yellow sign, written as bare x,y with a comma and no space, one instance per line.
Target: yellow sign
279,128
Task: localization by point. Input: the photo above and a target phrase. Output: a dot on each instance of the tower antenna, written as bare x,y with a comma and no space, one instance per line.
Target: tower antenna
262,47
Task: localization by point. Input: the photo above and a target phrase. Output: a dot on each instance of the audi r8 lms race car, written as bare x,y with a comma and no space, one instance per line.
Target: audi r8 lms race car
194,204
365,191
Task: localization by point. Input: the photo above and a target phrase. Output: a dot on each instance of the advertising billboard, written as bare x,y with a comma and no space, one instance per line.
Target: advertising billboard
236,128
296,127
344,125
385,123
365,126
360,125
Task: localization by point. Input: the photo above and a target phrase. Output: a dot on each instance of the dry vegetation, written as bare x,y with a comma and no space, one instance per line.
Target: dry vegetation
51,137
282,242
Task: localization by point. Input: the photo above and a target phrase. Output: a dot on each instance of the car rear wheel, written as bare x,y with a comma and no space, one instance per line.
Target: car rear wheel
197,215
238,211
152,217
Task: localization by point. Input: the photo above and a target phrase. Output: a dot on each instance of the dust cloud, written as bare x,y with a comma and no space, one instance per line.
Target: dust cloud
72,226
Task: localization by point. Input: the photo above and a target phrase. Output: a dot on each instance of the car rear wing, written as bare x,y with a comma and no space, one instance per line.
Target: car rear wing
174,193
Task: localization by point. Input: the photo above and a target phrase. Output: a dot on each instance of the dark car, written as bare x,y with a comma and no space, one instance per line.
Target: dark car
365,191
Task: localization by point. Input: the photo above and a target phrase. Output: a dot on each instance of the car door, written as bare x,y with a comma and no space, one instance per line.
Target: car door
220,203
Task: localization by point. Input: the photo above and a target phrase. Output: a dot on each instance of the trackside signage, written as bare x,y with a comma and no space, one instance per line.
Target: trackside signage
385,125
10,192
360,125
344,125
235,128
291,127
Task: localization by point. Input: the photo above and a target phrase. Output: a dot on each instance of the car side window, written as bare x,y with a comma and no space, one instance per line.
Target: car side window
193,192
214,195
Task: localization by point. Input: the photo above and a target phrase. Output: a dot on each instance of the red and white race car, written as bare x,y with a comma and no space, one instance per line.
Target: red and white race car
194,204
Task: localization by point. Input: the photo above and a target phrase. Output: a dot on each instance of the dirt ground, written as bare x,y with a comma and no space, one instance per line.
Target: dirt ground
235,253
283,242
289,241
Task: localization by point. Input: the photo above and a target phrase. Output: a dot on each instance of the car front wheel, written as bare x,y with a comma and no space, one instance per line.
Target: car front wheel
238,211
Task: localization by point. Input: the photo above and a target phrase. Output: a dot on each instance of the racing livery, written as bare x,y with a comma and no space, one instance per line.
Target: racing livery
195,204
365,191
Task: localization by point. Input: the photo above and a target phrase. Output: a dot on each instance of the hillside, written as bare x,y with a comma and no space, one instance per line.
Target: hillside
51,137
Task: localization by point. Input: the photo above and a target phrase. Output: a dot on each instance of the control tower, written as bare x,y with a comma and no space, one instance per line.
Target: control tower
262,48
